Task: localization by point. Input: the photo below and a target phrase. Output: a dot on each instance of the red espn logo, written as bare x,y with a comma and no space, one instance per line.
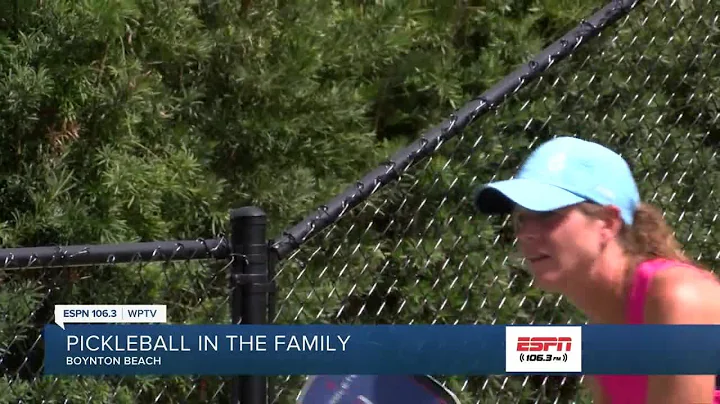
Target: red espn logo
543,344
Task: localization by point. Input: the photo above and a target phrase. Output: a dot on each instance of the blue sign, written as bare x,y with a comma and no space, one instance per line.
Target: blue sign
110,349
164,349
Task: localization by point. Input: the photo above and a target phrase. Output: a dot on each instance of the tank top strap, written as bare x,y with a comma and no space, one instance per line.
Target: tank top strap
640,285
617,386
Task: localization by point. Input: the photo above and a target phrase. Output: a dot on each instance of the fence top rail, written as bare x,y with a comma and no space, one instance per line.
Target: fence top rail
292,238
106,254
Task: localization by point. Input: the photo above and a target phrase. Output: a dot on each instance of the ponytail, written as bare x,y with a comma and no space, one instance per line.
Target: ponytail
651,237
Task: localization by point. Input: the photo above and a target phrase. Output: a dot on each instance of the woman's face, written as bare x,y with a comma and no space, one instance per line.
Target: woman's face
559,246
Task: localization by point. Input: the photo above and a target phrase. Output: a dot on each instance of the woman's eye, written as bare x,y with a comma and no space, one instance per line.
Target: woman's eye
547,215
537,216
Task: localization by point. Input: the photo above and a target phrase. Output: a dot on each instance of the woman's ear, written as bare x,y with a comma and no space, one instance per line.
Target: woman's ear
612,222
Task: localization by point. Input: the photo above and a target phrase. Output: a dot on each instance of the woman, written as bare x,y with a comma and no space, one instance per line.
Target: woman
585,234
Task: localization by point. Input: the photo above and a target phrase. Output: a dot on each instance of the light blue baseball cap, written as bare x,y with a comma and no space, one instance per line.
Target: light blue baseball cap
562,172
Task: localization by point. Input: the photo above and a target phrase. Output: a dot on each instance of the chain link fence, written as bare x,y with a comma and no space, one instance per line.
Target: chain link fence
415,252
190,277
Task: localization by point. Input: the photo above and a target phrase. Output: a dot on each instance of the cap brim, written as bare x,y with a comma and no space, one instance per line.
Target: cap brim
501,197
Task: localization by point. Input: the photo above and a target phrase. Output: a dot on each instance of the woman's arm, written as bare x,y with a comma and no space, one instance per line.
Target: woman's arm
679,296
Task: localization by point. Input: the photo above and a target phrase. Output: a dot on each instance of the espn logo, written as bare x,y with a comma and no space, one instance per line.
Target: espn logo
543,344
543,349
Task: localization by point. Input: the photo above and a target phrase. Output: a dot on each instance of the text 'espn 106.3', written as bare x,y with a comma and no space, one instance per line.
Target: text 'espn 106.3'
537,349
110,314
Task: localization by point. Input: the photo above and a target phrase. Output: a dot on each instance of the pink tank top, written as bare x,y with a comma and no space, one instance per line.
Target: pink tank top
633,389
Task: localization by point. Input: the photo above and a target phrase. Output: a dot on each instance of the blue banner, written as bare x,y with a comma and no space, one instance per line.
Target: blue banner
651,349
111,349
272,350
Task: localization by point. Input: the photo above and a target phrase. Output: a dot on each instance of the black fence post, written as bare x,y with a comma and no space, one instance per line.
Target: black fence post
272,300
250,288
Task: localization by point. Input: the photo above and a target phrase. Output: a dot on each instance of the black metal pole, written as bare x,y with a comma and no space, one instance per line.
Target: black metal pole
249,281
272,300
99,254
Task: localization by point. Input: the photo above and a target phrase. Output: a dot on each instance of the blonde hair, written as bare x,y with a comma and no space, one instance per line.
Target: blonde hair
648,237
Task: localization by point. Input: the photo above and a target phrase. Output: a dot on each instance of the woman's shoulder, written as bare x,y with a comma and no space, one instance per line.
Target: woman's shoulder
683,294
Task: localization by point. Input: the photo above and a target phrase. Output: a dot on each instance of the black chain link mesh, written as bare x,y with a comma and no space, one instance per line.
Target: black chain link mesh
416,252
195,292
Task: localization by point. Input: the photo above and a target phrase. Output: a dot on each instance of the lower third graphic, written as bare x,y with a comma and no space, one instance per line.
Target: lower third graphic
543,349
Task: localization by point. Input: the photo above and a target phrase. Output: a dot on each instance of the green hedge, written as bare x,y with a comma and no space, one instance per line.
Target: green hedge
138,120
